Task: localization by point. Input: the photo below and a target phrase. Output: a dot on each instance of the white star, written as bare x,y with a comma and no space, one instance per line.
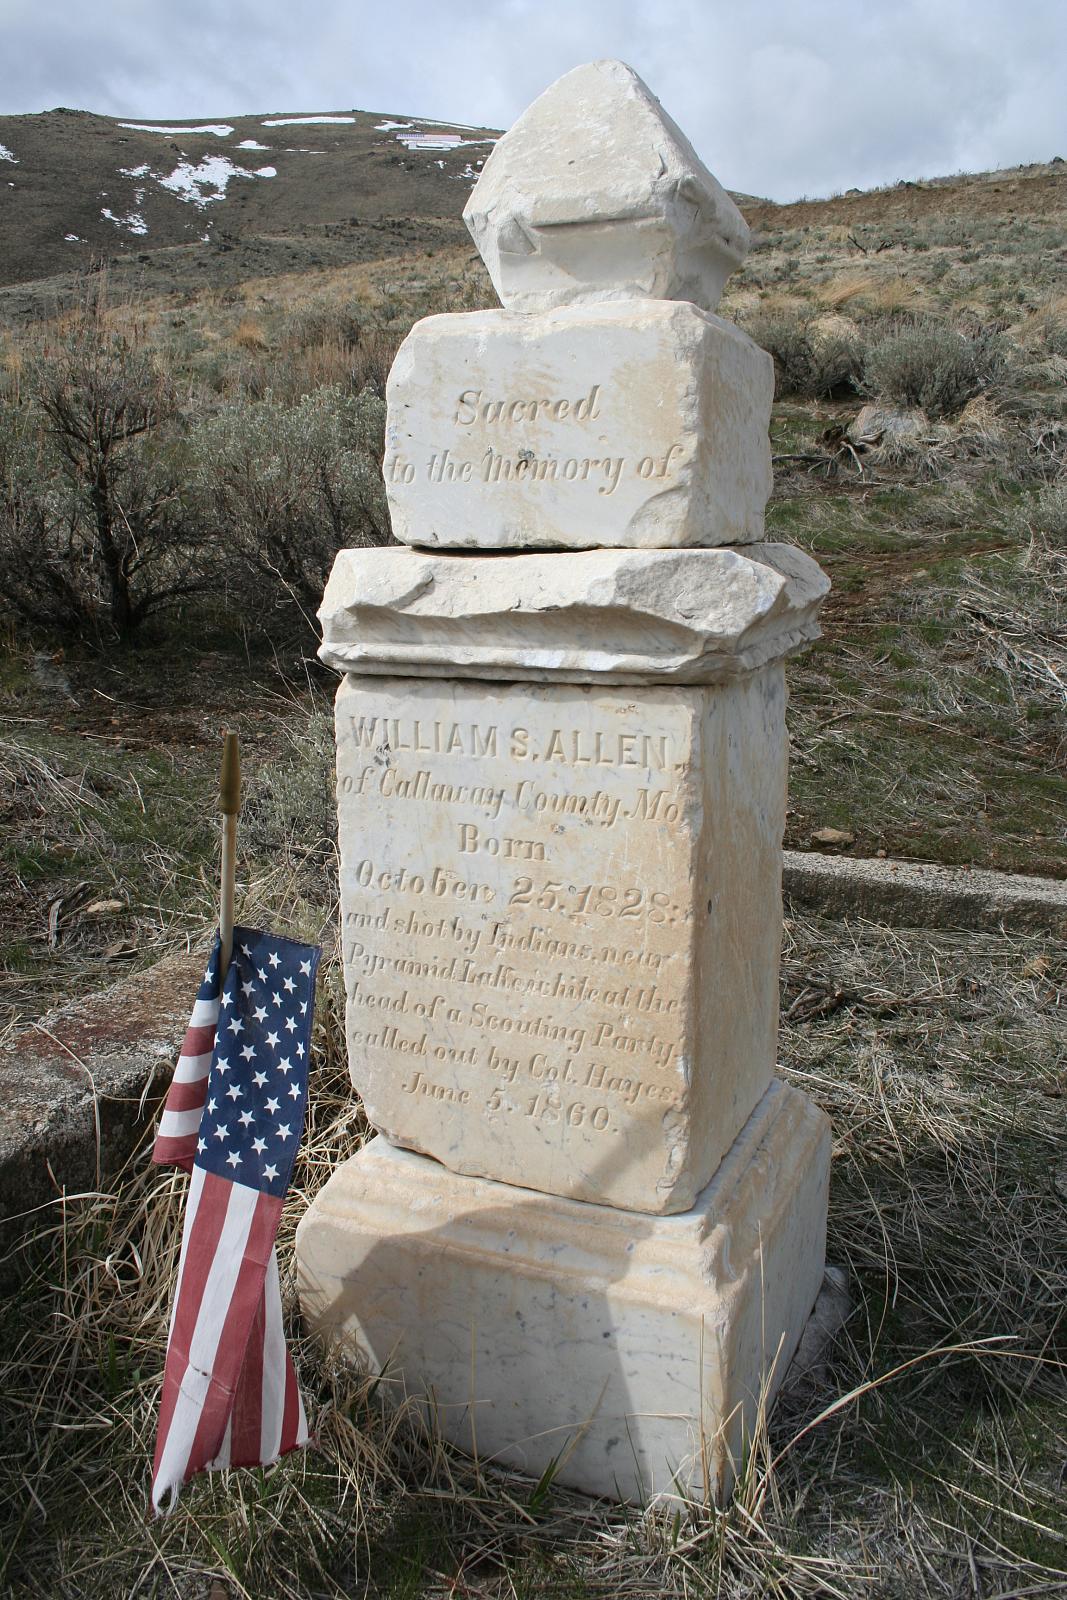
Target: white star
208,975
246,988
221,1131
225,1000
276,998
303,1008
259,1145
245,1118
234,1091
233,1159
290,1024
236,1025
285,1065
260,1013
259,1079
300,1051
248,1053
288,985
305,967
201,1146
284,1131
211,1105
270,1172
261,974
294,1091
246,951
272,1106
272,1040
273,959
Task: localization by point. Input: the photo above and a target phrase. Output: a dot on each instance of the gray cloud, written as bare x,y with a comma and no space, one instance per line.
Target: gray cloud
781,97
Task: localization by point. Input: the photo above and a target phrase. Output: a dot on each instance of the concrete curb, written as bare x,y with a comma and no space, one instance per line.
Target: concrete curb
79,1088
922,896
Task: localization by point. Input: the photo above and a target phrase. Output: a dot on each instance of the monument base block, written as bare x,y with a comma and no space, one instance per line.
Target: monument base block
631,1350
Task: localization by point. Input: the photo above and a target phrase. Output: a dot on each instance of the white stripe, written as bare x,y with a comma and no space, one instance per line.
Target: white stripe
223,1457
191,1069
302,1435
203,1346
178,1124
273,1414
196,1186
205,1012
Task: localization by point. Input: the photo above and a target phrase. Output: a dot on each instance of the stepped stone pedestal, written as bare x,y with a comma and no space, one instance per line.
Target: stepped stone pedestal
592,1227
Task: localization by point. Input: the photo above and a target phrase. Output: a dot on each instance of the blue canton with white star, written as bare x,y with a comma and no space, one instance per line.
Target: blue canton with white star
257,1087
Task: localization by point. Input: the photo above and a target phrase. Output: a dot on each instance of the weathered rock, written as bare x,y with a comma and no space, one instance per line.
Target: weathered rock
638,422
79,1088
920,895
629,1350
595,191
875,426
598,616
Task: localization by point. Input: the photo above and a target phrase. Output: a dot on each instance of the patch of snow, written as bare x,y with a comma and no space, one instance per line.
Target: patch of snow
136,172
297,122
387,127
5,155
417,140
133,222
468,172
439,164
72,238
221,130
250,144
213,172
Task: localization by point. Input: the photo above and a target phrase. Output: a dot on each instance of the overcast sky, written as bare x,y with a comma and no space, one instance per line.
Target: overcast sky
780,97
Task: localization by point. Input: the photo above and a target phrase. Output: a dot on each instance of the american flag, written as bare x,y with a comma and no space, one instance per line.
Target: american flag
233,1119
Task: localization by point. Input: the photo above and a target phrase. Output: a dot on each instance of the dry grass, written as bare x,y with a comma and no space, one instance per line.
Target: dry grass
925,1460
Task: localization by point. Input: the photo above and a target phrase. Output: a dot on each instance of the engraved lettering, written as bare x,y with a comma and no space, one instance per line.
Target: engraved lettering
418,1084
472,840
470,408
514,895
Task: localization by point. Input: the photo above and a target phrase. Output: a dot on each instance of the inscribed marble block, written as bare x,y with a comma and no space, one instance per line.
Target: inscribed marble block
627,423
630,1352
561,920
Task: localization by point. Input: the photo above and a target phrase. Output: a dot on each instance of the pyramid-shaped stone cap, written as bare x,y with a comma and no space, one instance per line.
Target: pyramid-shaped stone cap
595,193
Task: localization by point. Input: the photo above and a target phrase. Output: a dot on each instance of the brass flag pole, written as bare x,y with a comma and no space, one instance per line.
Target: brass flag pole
230,805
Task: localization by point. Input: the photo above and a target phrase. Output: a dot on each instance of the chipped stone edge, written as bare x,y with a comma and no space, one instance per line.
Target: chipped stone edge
355,634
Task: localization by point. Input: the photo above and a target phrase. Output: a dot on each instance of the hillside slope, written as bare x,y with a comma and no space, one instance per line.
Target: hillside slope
219,201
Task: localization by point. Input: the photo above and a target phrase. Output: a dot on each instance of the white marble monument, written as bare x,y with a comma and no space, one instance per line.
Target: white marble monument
591,1228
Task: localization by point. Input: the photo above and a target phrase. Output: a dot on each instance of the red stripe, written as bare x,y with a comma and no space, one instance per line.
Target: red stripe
291,1414
203,1242
187,1096
175,1152
198,1041
233,1342
245,1443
